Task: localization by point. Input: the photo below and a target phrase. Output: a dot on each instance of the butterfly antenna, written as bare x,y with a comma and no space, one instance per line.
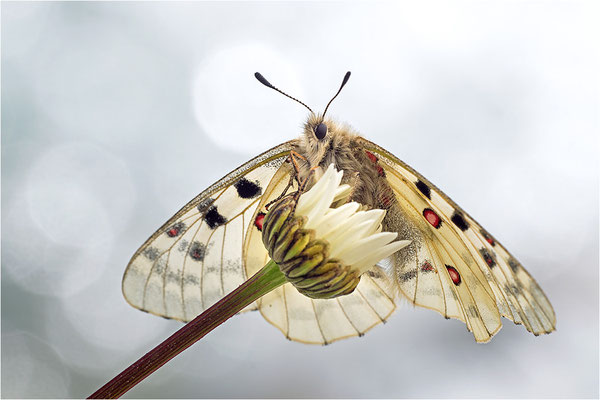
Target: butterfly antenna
346,77
265,82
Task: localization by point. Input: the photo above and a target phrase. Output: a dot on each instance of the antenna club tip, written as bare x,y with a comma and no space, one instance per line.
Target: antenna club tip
346,77
262,79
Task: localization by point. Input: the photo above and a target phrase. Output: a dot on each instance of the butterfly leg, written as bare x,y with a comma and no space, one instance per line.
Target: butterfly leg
302,186
289,185
293,155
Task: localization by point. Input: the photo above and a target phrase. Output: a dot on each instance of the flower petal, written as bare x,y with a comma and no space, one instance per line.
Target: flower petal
374,257
366,245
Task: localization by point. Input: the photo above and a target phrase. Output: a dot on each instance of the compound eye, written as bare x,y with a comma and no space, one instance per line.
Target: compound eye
321,131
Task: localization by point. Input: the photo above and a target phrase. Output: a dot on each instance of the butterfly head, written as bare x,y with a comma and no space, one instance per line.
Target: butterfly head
318,130
323,139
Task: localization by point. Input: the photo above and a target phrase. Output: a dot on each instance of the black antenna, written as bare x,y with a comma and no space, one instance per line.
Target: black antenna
265,82
346,77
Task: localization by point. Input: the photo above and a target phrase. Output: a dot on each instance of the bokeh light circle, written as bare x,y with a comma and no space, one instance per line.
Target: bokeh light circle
79,194
61,222
31,368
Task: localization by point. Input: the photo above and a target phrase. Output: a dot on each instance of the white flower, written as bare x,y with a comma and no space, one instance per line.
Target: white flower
323,251
354,236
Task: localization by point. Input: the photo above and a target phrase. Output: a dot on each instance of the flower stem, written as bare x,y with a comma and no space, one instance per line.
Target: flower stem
265,280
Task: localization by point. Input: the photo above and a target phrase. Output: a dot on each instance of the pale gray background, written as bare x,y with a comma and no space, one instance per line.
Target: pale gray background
114,115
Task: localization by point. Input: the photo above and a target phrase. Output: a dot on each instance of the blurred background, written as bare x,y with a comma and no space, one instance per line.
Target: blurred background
114,115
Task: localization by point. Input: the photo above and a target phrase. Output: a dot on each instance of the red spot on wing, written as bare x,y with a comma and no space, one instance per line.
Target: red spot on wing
385,200
454,275
427,267
375,160
432,218
386,197
258,221
175,229
488,238
371,156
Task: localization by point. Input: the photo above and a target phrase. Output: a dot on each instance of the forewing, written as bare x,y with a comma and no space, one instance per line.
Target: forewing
453,265
196,257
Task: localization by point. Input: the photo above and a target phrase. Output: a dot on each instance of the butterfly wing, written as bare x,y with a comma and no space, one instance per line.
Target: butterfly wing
196,257
453,265
323,321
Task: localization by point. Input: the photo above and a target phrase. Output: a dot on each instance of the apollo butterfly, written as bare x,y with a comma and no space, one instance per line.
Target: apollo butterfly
452,266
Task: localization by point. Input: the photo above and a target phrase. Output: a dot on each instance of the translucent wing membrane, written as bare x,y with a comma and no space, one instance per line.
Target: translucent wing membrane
323,321
197,256
454,266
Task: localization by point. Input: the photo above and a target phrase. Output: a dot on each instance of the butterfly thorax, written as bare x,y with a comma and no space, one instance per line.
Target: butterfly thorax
345,148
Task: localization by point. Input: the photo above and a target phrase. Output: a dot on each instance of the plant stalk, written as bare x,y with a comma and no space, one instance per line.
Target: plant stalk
261,283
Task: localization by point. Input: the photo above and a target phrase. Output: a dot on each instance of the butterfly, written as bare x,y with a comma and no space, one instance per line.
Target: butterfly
452,266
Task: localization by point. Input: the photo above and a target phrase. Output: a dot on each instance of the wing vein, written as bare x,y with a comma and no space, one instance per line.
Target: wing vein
312,302
346,315
369,304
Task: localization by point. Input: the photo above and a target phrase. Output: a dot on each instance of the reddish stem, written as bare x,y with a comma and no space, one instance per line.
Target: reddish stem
265,280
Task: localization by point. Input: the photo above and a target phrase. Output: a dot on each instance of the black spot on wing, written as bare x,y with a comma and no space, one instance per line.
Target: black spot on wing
173,276
151,253
423,188
472,310
459,221
197,251
408,275
191,280
374,274
513,264
159,266
183,245
213,218
247,189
